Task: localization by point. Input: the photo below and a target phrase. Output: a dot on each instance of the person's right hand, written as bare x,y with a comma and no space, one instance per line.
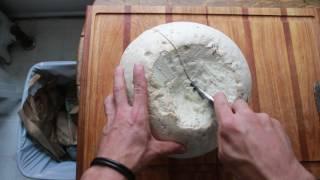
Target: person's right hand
254,145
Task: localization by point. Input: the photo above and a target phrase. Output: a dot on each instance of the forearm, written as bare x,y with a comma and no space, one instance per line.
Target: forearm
101,173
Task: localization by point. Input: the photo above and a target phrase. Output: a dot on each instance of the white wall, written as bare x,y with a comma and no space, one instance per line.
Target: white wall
43,8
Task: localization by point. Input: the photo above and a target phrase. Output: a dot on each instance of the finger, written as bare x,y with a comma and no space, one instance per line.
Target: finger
167,147
119,87
278,127
280,130
222,108
110,109
140,87
264,119
240,105
276,123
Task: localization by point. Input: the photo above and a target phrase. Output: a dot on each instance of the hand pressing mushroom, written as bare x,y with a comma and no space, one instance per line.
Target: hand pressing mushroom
127,138
177,55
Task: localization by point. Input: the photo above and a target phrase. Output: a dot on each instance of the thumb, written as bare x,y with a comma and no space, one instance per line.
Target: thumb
168,147
222,108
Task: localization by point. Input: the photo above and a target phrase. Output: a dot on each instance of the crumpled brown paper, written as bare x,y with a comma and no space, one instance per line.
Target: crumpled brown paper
49,113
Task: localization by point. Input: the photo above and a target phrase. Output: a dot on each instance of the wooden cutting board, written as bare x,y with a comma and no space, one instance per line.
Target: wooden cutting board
280,45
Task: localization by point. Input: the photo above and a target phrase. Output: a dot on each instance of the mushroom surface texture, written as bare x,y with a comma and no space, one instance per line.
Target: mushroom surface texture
174,55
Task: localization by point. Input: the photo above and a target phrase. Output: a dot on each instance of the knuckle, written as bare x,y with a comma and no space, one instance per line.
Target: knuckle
122,113
247,115
228,126
118,88
108,98
140,88
264,116
230,129
227,123
110,115
247,112
276,123
264,119
106,101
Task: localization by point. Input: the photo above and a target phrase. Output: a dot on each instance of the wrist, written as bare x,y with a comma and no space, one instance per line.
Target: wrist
299,172
296,171
101,173
125,161
123,158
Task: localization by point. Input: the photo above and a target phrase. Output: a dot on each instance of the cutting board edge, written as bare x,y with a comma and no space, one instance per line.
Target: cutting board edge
201,10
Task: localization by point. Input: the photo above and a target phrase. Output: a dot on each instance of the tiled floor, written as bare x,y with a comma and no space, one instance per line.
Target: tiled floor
57,39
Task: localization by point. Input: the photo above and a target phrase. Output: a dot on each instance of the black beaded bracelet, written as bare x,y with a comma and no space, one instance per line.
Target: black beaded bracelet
100,161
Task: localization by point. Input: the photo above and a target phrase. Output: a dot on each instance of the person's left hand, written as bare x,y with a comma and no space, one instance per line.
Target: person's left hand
127,137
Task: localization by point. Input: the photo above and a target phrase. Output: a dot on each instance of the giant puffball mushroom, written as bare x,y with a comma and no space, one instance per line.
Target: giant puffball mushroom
210,59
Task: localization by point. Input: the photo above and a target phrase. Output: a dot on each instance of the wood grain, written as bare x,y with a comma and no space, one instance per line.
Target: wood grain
280,45
82,69
306,60
224,3
313,167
